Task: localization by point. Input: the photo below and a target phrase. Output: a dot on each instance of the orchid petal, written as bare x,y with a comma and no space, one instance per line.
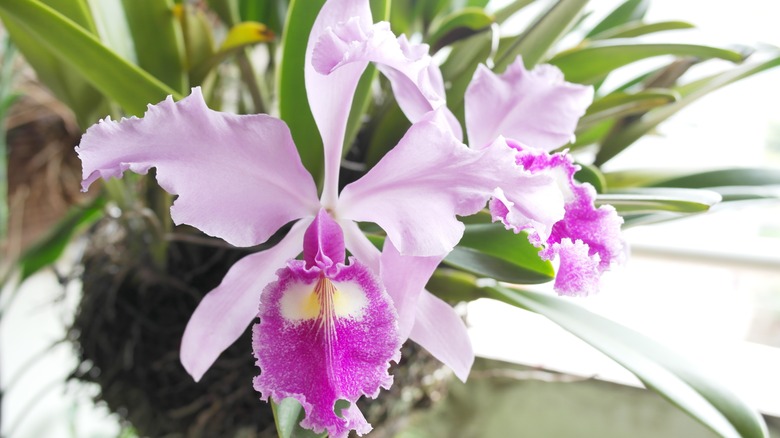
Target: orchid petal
439,329
416,80
404,278
238,177
330,96
586,239
358,244
225,312
417,189
536,107
578,273
311,343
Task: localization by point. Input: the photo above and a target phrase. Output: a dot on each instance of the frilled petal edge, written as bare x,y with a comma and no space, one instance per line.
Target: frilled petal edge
238,177
416,80
536,107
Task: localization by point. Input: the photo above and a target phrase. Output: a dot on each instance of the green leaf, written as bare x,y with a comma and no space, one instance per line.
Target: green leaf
66,83
158,41
489,250
714,178
638,28
291,87
454,286
539,38
591,175
650,200
49,249
457,25
621,104
591,62
628,11
620,139
659,368
239,36
76,47
511,9
287,416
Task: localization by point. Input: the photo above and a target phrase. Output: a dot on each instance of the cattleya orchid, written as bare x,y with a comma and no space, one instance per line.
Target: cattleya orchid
537,111
330,325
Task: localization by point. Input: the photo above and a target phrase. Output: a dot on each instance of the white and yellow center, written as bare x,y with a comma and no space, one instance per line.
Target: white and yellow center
323,299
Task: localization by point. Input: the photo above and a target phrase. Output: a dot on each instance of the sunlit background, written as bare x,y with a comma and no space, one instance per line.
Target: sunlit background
709,286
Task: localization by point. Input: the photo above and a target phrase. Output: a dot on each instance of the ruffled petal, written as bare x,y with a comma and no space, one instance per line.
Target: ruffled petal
225,312
322,339
578,273
587,239
416,80
536,107
415,192
238,177
441,331
404,278
330,96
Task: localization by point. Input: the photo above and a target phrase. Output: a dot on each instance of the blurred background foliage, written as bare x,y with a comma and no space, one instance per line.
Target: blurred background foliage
103,58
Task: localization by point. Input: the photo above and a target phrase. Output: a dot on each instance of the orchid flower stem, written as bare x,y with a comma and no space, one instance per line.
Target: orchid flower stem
250,79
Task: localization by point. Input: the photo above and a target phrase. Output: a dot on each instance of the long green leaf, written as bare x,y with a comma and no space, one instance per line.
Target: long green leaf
628,11
535,43
590,63
620,104
714,178
457,25
618,140
158,40
291,87
86,102
660,369
491,251
76,47
650,200
635,29
49,249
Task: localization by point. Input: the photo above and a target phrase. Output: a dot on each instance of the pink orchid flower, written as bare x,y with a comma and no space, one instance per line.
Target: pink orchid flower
328,328
537,111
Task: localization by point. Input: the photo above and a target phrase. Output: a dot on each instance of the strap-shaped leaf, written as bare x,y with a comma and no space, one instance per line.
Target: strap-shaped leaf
621,104
659,368
628,11
70,87
488,250
650,200
291,85
638,28
740,176
73,45
157,40
535,43
457,25
590,63
49,249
